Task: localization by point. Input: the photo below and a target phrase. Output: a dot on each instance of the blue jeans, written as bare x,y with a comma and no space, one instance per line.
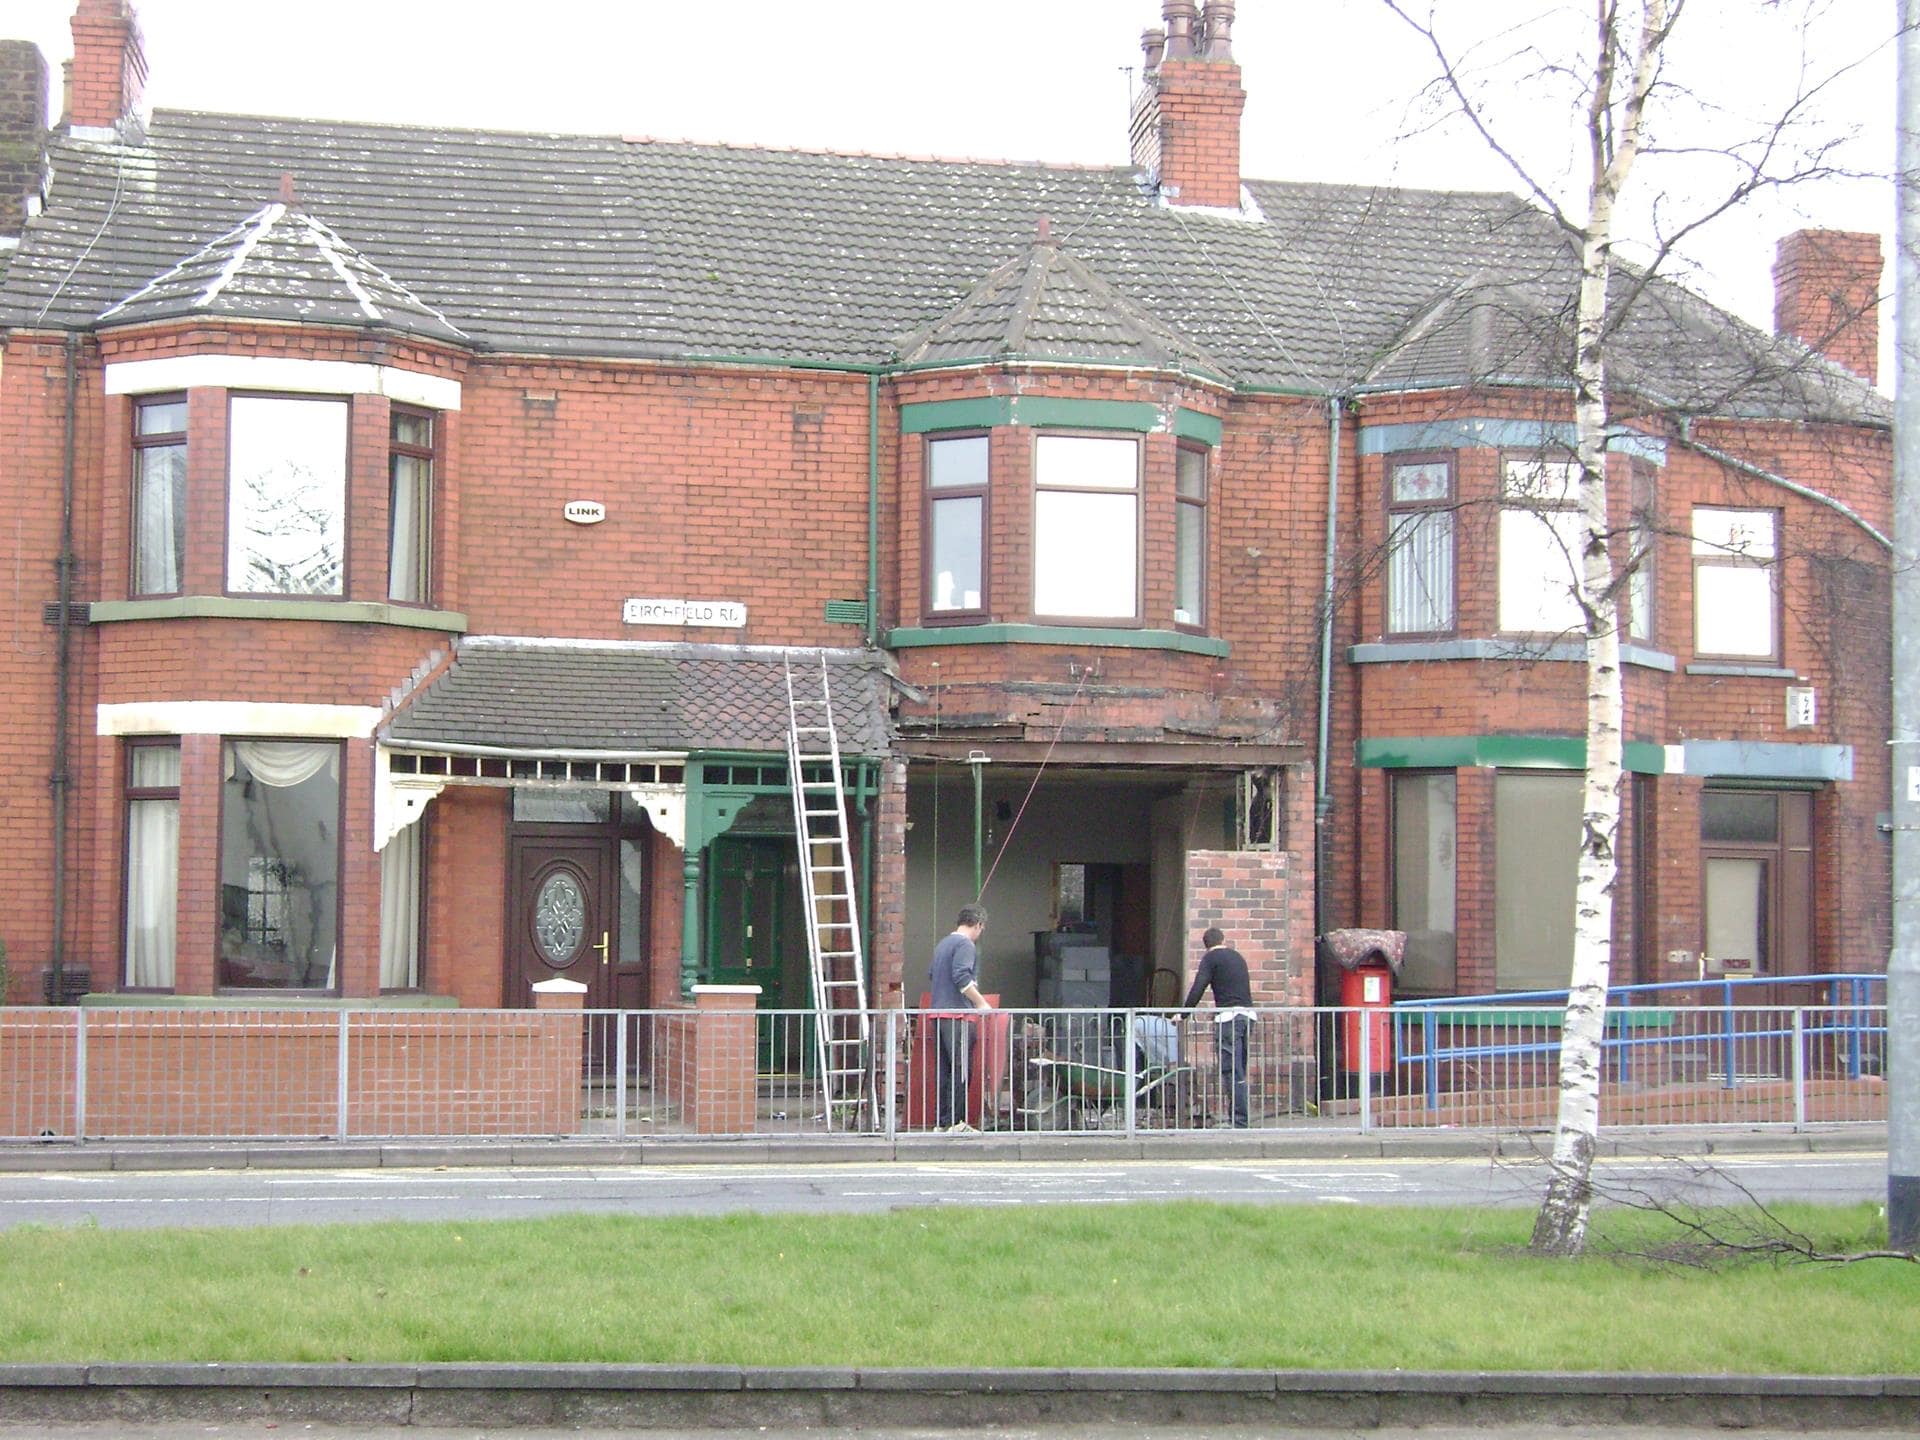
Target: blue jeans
953,1041
1230,1047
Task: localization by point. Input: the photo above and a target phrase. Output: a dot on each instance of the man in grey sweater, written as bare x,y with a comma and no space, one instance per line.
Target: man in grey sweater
952,985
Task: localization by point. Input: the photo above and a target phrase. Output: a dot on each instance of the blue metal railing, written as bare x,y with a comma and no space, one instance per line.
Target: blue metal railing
1851,1017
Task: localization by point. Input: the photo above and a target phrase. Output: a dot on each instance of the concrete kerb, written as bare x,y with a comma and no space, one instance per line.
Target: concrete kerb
1701,1143
720,1396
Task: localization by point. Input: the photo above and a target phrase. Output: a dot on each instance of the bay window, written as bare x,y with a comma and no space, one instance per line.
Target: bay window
957,524
153,863
159,495
1423,807
1537,820
1190,536
1542,534
1736,600
286,495
1640,536
1086,527
1420,546
279,864
410,507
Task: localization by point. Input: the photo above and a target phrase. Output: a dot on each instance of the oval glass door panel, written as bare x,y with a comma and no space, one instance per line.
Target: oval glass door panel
560,919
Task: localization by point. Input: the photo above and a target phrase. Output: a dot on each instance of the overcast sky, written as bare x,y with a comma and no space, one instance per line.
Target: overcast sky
1332,85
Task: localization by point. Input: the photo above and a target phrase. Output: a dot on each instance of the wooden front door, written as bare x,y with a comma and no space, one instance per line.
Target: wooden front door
1756,861
565,919
752,904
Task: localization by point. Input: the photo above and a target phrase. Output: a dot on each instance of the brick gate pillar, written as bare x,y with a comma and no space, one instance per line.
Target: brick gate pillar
724,1069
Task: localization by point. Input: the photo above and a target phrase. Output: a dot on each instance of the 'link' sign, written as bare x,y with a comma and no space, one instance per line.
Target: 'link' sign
720,614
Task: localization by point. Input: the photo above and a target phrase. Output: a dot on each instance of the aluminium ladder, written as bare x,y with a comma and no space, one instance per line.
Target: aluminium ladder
841,1024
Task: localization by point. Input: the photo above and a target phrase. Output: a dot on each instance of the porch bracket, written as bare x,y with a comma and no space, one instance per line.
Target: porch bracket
666,807
398,800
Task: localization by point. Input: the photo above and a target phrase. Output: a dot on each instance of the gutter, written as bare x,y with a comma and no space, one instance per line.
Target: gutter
60,781
873,509
1792,487
1322,798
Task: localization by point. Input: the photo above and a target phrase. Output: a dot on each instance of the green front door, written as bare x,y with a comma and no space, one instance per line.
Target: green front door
748,911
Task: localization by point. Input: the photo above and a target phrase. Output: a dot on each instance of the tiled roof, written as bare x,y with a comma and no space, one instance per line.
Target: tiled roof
1047,305
282,264
599,246
612,698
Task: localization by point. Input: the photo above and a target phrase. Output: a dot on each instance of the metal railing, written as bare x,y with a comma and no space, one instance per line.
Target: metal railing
1692,1026
1482,1063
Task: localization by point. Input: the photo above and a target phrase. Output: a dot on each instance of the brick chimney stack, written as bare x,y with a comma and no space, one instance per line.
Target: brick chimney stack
23,132
1826,294
1186,118
108,79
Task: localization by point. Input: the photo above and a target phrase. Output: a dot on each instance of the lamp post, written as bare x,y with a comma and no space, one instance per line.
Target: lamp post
1903,965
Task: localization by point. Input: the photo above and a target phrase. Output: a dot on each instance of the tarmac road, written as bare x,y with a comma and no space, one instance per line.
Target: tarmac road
138,1199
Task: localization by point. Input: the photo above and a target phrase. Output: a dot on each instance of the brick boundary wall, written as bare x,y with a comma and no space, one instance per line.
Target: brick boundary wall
238,1073
1263,899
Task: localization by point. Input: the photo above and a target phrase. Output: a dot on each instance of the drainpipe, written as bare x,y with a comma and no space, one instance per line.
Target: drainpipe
1322,798
873,508
60,780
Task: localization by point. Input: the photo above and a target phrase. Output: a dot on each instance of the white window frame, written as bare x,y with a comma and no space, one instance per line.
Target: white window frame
1422,546
255,463
954,494
1736,581
1542,534
1087,527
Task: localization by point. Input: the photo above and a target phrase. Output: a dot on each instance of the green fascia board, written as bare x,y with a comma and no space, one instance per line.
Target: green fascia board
1035,410
913,637
981,414
236,607
1467,433
1192,425
1504,752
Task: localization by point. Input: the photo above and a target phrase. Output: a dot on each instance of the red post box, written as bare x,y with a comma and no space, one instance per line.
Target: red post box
1368,960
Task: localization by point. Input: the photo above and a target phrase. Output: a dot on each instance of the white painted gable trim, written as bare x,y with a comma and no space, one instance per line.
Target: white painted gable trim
281,372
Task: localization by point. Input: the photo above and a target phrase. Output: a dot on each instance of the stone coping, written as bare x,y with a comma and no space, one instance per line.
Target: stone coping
598,1396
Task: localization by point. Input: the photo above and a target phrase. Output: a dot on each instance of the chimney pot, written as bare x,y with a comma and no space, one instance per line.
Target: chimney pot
1153,44
1185,125
1182,16
1217,25
1043,232
287,197
1826,294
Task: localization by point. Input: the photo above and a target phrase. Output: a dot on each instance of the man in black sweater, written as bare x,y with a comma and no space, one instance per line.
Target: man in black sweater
1224,970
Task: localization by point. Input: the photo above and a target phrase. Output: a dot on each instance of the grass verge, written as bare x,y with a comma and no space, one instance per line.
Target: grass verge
1185,1284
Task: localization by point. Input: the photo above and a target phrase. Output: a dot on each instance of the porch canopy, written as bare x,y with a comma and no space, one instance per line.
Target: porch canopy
612,714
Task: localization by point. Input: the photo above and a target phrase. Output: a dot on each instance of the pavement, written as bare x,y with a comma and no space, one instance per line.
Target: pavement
711,1399
1697,1141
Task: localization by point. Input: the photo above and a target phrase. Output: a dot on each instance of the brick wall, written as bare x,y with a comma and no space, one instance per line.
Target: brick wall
1263,900
109,65
276,1073
23,118
1827,295
1834,613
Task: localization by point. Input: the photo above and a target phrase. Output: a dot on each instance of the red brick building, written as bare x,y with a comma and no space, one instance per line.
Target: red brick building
411,532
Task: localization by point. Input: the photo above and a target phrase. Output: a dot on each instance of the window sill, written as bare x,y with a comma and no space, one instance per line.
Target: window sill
909,637
227,607
1761,672
1570,651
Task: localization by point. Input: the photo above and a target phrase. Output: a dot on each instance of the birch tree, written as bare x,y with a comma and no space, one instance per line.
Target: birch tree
1618,73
